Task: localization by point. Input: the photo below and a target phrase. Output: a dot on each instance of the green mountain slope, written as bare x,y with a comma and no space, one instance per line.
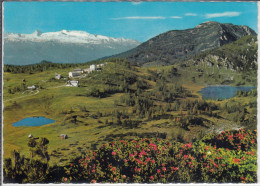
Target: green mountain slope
175,45
232,63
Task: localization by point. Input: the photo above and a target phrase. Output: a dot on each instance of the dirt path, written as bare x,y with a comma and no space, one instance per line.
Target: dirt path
228,128
219,129
37,91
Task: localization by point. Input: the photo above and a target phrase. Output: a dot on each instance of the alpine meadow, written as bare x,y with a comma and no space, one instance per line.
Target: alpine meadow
179,107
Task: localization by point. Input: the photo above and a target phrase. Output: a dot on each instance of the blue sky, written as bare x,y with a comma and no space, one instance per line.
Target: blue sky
139,21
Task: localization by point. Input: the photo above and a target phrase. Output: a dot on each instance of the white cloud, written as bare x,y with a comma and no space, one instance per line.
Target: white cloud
136,3
190,14
146,17
224,14
176,17
139,17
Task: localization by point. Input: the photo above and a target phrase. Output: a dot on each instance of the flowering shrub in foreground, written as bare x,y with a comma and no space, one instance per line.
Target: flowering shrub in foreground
227,157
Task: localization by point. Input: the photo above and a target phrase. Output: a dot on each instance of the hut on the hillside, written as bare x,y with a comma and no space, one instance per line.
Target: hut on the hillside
63,136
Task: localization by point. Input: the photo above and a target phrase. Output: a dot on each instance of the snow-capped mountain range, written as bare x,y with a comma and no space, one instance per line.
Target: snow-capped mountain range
63,46
66,36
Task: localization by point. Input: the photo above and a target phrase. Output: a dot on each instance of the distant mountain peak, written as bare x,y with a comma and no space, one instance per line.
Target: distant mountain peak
37,33
207,23
210,22
177,45
64,46
64,31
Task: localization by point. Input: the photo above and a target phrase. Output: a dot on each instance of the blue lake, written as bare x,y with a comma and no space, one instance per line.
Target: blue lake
222,92
33,122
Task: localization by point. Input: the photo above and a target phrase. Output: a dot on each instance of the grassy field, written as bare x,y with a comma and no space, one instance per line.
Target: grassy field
90,129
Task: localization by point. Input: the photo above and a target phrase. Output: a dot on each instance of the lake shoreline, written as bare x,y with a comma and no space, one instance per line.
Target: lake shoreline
222,92
34,121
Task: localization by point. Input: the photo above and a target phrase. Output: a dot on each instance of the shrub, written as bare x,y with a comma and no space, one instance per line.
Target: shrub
228,157
158,161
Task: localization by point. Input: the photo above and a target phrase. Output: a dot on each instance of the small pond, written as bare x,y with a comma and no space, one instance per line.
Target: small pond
33,122
222,91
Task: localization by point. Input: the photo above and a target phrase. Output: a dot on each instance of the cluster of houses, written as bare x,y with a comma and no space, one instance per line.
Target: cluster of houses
75,74
82,72
78,72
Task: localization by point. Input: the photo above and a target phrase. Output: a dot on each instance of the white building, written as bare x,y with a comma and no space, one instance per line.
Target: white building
101,65
74,74
92,67
32,87
57,76
87,70
72,83
79,70
63,136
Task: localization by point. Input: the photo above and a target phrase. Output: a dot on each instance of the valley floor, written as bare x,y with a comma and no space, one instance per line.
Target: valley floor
120,102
